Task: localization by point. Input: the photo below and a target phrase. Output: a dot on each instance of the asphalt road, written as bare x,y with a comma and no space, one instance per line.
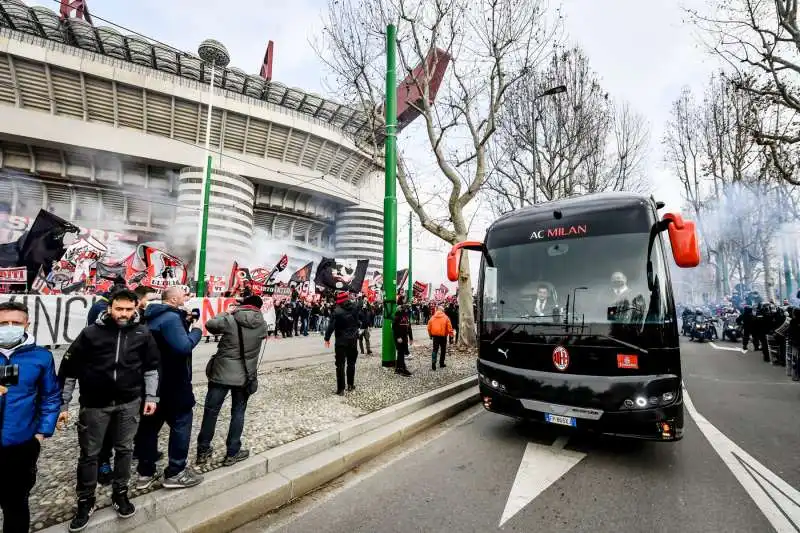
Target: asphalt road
487,469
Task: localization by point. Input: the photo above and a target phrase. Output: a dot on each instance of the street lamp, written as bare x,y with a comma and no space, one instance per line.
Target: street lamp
216,55
558,89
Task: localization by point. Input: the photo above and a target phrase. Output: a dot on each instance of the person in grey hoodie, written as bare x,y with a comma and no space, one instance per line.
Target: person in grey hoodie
233,368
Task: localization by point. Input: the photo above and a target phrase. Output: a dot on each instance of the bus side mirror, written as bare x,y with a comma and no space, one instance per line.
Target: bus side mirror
454,257
683,238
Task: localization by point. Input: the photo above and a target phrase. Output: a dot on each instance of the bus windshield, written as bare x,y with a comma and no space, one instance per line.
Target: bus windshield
589,280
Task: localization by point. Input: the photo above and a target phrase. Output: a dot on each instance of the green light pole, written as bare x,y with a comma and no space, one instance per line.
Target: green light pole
388,355
410,294
215,55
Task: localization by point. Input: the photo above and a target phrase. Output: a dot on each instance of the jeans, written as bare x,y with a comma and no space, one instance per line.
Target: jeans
214,398
304,327
364,339
93,424
18,465
180,435
345,353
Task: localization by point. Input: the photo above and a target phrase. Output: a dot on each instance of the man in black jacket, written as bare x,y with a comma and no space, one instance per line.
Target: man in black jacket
344,323
114,361
403,337
365,318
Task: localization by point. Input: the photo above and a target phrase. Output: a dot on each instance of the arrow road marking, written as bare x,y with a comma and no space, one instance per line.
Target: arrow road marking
541,466
729,348
779,501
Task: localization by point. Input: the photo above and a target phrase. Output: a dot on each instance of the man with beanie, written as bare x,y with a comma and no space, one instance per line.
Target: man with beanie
344,323
233,368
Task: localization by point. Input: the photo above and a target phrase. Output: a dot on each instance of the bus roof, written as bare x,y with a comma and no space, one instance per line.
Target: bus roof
584,205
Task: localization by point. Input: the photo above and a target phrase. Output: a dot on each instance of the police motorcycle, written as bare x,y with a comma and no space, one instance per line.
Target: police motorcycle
703,328
730,329
687,322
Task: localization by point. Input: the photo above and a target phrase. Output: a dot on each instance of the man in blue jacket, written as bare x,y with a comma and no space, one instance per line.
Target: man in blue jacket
29,407
170,325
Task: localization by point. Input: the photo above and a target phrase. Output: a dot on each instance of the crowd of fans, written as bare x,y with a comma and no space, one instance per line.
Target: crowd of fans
132,367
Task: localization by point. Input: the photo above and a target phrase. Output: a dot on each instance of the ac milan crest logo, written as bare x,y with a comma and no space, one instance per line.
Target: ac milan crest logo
561,358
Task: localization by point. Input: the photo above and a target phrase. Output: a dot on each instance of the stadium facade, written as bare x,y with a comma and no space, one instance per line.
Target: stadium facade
108,130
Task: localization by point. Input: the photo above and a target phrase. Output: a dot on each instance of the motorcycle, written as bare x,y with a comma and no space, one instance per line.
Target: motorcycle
731,330
702,329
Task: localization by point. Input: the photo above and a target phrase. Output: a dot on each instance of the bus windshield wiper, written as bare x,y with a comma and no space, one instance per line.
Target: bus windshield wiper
623,343
515,325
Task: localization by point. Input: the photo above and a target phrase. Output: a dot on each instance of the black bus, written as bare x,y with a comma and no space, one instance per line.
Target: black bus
576,318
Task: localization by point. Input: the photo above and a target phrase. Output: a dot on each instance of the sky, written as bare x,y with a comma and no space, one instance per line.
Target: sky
643,52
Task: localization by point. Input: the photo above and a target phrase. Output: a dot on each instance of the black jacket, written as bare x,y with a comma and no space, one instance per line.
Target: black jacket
366,317
401,326
344,323
112,364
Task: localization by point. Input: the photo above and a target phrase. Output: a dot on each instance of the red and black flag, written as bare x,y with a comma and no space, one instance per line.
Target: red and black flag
280,267
402,277
302,275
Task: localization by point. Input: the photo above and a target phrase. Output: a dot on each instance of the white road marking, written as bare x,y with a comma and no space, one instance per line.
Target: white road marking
729,348
779,501
541,466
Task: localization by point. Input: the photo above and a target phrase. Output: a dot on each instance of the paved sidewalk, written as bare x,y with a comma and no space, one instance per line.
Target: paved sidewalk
291,403
292,352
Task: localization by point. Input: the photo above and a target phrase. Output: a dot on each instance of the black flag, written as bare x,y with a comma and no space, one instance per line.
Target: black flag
334,275
43,244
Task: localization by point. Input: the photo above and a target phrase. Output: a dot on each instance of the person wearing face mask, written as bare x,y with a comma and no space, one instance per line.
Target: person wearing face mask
176,336
115,363
28,410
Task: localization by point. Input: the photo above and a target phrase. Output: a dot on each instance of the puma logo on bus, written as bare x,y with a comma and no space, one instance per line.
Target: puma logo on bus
502,352
563,231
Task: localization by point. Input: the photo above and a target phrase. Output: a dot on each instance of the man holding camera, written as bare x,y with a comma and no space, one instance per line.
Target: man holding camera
115,361
170,325
29,402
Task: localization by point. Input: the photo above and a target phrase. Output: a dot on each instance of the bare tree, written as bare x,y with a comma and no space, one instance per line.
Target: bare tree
491,44
554,146
760,41
728,179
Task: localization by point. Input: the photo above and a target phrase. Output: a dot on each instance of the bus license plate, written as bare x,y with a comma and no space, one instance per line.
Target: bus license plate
558,419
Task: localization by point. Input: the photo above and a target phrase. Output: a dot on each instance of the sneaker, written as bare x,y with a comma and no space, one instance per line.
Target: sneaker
82,515
403,372
122,505
187,478
104,474
145,482
233,459
433,366
204,457
442,365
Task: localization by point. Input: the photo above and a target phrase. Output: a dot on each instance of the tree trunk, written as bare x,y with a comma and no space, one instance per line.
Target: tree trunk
466,318
769,286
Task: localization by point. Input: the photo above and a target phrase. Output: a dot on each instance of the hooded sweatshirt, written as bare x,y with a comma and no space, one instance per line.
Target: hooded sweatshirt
439,325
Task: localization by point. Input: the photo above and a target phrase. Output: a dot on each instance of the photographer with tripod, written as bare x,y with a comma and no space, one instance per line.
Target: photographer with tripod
30,399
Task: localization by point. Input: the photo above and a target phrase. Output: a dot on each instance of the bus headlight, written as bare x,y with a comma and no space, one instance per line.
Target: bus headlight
492,383
641,401
668,397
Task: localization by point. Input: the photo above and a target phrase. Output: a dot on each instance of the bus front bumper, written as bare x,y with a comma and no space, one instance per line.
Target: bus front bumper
663,424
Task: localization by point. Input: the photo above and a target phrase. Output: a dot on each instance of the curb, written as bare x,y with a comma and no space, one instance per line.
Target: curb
233,496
